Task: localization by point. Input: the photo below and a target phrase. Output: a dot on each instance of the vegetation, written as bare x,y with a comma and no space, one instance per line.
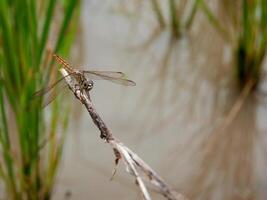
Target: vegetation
30,154
246,31
179,20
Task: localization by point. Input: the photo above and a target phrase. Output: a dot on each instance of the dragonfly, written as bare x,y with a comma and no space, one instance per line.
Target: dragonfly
84,80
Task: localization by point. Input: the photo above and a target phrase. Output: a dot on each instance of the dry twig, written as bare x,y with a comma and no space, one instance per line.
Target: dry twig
134,164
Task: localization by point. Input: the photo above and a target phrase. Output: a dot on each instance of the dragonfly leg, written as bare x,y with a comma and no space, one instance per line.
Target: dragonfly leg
77,88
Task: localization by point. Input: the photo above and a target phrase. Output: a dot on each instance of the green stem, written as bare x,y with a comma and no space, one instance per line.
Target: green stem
175,24
192,14
46,28
158,13
213,20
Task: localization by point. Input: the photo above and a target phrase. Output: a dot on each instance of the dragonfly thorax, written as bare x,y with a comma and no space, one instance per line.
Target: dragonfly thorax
86,84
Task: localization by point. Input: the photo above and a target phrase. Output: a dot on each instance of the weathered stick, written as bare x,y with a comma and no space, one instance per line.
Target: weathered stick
134,164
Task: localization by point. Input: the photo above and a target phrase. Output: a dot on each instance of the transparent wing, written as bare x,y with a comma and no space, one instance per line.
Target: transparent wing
50,93
63,62
111,74
51,96
115,77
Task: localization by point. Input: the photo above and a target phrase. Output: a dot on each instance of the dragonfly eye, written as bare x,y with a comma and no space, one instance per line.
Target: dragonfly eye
85,85
88,85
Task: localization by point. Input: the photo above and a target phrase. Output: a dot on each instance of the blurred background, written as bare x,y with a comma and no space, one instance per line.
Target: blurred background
197,115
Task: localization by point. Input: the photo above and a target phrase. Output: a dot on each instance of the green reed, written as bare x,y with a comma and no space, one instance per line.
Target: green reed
247,20
158,13
30,152
178,20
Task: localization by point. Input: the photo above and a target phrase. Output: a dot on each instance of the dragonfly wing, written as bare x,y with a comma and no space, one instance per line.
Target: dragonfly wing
115,77
50,93
108,73
51,96
63,62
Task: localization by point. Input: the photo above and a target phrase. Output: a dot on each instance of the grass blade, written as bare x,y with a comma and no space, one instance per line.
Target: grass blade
46,27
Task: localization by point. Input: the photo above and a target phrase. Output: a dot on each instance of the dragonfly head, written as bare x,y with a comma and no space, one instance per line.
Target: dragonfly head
87,84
